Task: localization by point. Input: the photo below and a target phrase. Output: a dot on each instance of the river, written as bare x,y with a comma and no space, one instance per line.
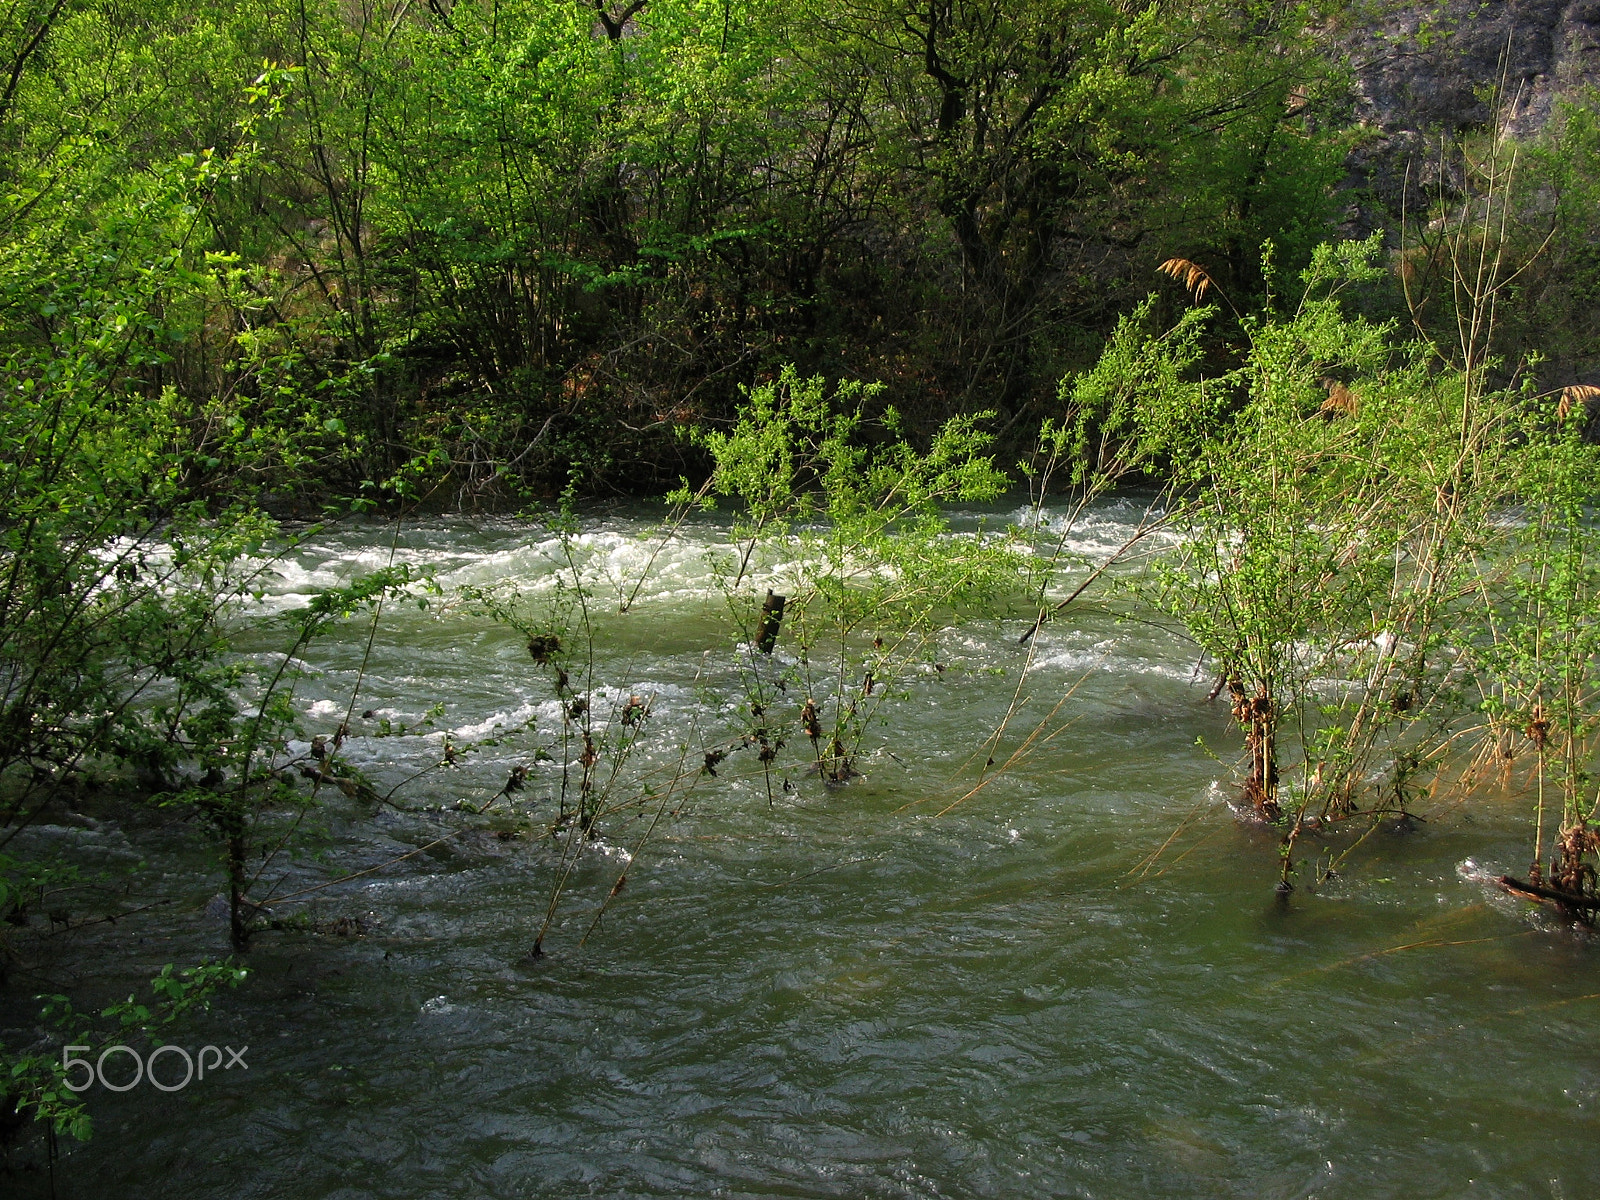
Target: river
879,989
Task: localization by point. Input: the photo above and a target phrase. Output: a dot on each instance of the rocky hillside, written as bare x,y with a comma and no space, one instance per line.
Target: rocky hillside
1426,70
1426,67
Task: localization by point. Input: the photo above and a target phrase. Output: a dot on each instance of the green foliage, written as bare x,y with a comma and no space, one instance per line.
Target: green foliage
1139,409
36,1084
846,520
123,539
1536,647
475,246
115,566
1332,536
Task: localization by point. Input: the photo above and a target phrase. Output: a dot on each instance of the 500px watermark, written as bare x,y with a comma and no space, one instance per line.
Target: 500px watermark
194,1067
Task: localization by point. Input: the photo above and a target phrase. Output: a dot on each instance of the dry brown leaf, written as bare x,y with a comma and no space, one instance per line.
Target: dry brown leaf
1575,394
1341,401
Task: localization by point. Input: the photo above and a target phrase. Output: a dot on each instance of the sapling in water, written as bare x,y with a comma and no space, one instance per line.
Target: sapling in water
1325,553
842,516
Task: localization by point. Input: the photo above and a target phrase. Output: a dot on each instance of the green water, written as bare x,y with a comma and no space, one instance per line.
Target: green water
842,992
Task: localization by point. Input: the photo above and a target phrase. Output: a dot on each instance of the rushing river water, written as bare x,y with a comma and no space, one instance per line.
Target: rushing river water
854,991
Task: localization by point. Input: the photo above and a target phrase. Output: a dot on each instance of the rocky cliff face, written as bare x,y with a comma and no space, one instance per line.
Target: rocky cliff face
1426,67
1423,73
1431,69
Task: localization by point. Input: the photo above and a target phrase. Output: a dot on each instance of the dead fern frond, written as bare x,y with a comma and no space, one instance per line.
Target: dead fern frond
1576,395
1341,401
1193,276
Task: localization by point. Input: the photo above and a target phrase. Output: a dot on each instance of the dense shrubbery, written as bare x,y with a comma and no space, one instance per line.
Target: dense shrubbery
490,242
478,246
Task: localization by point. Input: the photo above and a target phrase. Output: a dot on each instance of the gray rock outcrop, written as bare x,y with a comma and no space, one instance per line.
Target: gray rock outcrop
1425,72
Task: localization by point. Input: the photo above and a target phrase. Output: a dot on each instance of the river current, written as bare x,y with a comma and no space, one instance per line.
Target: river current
1075,981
